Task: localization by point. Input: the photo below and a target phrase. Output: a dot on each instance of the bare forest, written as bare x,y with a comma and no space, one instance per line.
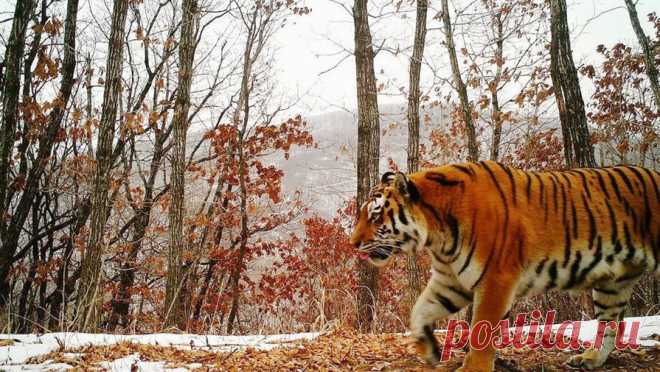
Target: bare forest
161,170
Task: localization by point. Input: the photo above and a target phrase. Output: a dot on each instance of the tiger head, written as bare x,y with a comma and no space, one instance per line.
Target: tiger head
389,222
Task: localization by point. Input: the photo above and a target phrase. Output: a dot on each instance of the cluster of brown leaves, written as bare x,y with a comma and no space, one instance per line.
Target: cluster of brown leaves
340,350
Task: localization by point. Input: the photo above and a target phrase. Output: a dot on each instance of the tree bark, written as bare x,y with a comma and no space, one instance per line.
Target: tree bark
238,265
578,149
649,58
241,125
122,299
10,94
13,63
470,132
414,284
367,152
175,313
218,206
496,115
256,38
89,299
64,283
25,317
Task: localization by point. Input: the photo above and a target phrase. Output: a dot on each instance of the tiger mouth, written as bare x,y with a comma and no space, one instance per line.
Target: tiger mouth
373,255
378,254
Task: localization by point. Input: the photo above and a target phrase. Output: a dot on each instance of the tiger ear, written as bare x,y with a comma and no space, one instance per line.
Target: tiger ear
387,177
406,188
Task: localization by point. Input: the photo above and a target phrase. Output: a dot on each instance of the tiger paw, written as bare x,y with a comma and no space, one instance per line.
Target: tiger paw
471,369
590,359
478,361
427,351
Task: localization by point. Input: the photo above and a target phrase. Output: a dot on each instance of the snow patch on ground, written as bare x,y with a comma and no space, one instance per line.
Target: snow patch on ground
31,345
24,347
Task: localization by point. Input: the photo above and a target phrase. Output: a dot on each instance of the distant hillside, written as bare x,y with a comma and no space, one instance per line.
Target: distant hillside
326,175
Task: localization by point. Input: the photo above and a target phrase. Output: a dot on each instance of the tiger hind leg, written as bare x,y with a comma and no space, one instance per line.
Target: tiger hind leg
609,305
442,297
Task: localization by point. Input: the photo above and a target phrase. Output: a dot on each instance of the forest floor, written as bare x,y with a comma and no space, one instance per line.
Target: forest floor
338,350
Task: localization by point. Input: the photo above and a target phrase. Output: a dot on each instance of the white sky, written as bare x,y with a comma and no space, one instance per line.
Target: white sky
313,43
304,45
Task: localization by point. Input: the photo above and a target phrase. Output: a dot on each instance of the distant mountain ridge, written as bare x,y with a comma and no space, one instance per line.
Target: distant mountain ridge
326,175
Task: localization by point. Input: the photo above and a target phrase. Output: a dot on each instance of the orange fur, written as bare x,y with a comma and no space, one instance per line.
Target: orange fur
495,233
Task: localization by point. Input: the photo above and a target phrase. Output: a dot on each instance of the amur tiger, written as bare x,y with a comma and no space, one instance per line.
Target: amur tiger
496,233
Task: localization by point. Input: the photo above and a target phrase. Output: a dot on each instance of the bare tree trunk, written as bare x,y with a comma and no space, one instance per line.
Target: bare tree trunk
217,238
65,284
122,299
496,115
470,132
89,300
10,94
24,317
174,302
578,149
13,63
243,105
237,268
414,284
649,58
257,36
367,152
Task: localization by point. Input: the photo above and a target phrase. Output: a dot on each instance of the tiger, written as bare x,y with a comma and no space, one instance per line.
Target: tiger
496,233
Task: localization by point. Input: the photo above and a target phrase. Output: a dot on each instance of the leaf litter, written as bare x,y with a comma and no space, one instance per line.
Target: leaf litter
339,350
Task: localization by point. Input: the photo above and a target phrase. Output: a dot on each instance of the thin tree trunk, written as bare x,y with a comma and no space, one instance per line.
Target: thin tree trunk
470,132
414,282
13,63
649,58
88,105
496,115
244,105
65,284
255,42
10,94
122,300
89,298
578,149
41,307
40,320
174,302
201,297
35,47
367,152
237,268
24,317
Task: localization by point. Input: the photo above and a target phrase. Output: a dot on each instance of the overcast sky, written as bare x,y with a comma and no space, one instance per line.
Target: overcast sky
320,41
304,45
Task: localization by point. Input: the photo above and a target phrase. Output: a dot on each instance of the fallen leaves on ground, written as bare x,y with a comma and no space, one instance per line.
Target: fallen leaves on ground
339,350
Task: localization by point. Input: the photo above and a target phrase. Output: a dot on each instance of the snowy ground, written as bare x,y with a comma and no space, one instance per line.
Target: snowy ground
15,357
23,352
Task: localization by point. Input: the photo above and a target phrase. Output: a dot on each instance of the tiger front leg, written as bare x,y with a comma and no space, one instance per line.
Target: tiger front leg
492,301
442,297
